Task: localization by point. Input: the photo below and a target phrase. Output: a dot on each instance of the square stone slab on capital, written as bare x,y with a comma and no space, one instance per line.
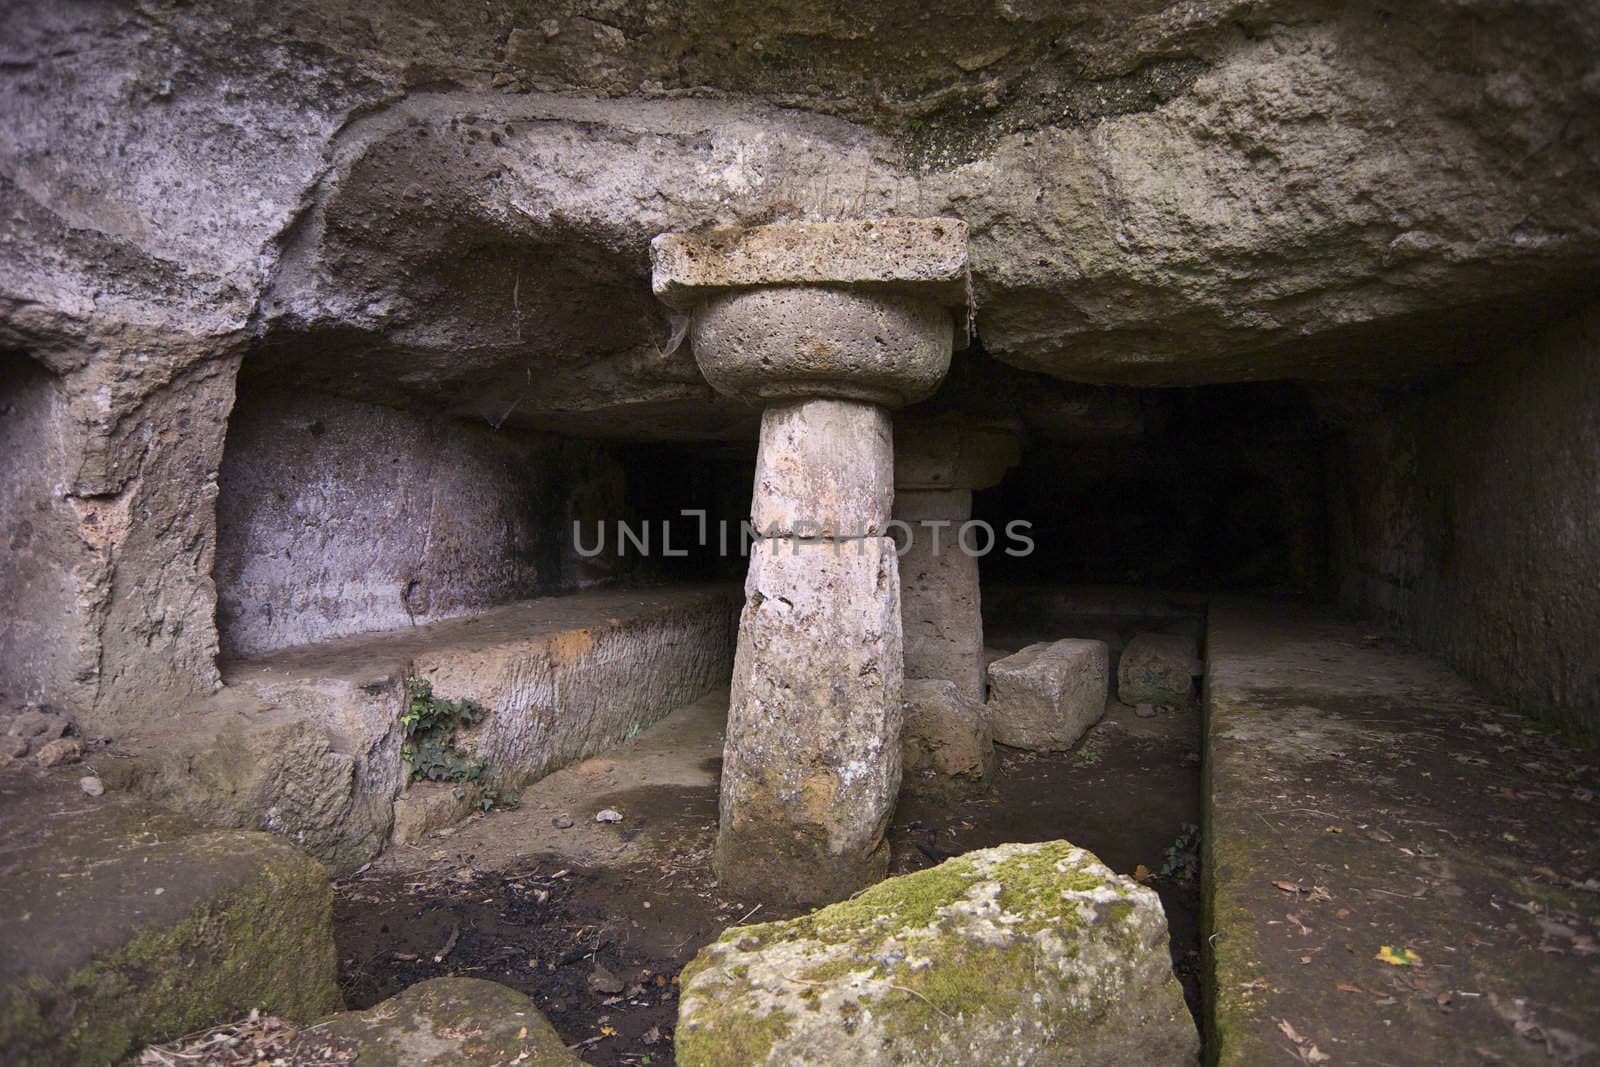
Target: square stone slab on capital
927,256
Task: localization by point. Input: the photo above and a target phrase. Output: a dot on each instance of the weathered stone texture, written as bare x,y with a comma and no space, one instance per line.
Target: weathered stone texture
558,694
448,1022
811,765
1157,669
1021,954
1470,523
790,343
338,517
1047,695
306,741
315,759
939,595
951,453
117,467
44,639
923,258
455,213
428,806
121,925
825,468
947,741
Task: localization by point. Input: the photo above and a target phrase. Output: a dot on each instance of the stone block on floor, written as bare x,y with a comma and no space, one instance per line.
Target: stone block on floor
947,742
448,1022
1044,697
1158,669
1024,953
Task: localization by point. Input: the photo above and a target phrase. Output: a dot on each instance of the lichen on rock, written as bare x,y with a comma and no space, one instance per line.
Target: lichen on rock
1024,953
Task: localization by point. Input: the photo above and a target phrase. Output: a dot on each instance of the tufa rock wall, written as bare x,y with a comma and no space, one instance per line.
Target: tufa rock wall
1470,522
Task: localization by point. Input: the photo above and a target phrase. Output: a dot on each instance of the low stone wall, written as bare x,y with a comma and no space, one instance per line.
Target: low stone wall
306,741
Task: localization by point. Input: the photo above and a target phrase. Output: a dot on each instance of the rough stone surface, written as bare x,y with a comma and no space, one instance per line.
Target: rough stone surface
121,924
446,1022
1226,188
1158,669
1047,695
38,727
824,469
316,760
1021,954
1469,528
949,453
1347,721
109,489
455,214
426,806
58,752
811,765
947,742
925,258
787,343
336,517
306,741
940,602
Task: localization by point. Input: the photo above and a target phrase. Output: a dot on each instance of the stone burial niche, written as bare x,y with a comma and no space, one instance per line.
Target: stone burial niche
450,536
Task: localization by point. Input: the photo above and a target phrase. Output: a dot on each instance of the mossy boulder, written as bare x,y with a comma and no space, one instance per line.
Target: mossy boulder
449,1022
121,924
1022,954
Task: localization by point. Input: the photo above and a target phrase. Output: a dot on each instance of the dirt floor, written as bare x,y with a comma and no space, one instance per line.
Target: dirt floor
594,920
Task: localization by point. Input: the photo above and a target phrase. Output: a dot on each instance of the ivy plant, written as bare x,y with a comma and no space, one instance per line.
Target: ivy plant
430,749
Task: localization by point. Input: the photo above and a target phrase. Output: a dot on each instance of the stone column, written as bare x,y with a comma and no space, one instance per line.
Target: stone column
938,464
829,325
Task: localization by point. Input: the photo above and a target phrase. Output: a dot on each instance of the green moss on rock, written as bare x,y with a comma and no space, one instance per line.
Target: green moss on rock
1024,953
129,926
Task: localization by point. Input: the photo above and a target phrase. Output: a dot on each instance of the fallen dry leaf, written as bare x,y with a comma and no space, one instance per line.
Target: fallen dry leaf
1141,873
1398,957
1288,887
1345,987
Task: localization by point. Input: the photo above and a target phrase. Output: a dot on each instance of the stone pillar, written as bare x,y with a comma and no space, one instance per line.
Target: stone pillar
828,325
938,463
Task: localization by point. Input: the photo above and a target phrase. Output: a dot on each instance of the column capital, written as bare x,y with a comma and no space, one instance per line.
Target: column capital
864,310
951,453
